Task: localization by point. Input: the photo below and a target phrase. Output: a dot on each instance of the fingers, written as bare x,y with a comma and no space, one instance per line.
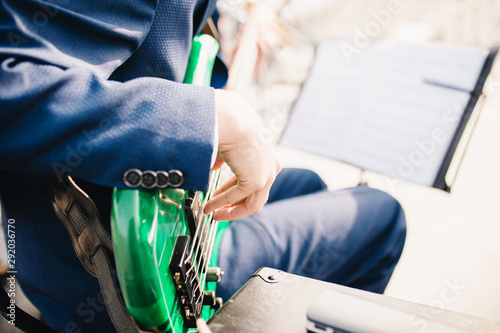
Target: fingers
232,195
227,185
235,200
202,326
251,205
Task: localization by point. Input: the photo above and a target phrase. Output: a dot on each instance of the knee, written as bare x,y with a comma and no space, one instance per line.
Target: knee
395,222
391,226
391,216
314,181
393,209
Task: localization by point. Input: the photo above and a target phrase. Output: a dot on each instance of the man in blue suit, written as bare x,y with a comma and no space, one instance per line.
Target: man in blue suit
93,89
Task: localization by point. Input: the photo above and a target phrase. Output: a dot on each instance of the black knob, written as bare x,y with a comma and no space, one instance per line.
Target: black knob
209,298
218,304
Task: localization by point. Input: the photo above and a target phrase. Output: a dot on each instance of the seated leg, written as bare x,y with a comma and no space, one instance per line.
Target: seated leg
352,237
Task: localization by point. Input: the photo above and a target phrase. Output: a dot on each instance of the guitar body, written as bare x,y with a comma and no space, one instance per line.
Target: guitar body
165,248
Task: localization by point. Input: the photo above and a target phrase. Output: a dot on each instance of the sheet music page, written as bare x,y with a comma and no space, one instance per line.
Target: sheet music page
393,109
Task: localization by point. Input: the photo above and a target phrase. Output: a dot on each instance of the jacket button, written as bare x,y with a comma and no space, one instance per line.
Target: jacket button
176,178
163,179
149,179
132,178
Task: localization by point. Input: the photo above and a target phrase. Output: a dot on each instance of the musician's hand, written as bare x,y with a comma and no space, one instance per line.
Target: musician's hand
254,167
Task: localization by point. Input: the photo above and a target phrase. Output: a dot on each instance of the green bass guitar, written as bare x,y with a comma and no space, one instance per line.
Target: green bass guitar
166,249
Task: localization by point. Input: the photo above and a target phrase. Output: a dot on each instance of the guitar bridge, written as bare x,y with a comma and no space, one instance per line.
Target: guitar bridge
183,269
187,282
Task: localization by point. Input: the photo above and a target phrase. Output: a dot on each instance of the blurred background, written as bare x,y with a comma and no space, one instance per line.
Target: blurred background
452,253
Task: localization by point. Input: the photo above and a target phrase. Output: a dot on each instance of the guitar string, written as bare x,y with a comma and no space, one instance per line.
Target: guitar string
199,256
212,229
205,256
213,234
201,228
207,253
190,254
207,224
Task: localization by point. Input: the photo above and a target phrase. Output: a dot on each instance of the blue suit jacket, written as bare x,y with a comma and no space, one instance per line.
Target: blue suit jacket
91,89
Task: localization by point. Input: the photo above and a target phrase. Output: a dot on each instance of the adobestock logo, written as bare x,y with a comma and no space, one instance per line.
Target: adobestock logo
372,29
417,157
452,291
75,154
426,147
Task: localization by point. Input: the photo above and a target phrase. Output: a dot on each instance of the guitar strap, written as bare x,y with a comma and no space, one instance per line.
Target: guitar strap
93,247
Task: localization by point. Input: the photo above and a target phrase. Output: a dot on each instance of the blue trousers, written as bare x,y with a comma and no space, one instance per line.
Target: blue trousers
352,237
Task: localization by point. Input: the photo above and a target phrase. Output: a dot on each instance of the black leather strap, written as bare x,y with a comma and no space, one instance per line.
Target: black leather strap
80,217
91,242
119,315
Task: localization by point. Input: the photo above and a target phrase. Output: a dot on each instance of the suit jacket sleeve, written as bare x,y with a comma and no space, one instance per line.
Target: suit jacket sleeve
59,112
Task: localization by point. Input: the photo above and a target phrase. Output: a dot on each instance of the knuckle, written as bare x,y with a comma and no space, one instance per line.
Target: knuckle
226,199
247,188
251,205
261,182
255,185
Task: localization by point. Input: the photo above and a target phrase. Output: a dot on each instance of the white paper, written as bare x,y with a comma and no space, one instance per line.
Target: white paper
393,109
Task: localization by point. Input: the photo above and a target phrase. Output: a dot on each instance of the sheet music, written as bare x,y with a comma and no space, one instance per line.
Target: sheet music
393,109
